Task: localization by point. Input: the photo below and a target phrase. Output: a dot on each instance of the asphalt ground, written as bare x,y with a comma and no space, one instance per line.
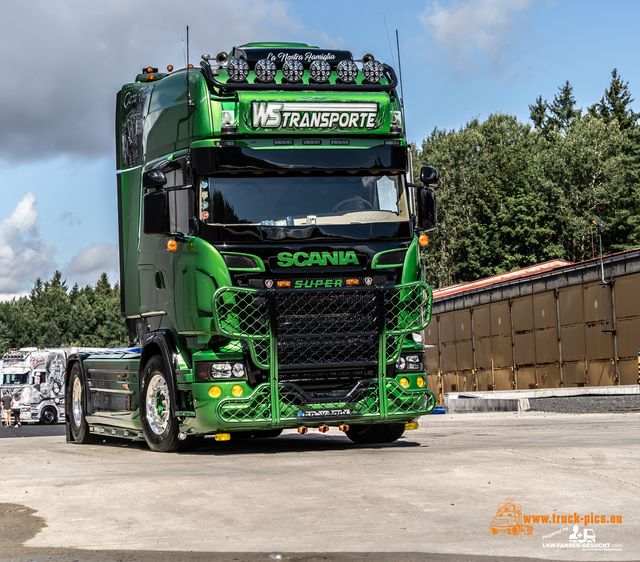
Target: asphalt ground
586,404
430,496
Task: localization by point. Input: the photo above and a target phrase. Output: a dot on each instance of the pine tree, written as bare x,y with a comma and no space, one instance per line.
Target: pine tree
103,287
563,112
615,103
538,114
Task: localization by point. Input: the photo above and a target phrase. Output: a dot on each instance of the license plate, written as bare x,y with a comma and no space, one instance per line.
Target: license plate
324,413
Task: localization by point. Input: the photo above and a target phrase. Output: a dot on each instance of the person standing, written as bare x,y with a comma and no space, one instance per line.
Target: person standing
6,409
15,408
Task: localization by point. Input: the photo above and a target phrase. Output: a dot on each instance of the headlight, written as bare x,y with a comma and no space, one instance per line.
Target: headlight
207,371
265,70
293,70
320,70
347,71
238,70
373,71
413,362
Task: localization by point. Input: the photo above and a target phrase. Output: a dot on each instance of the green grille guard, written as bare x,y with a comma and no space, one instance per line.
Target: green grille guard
243,313
250,314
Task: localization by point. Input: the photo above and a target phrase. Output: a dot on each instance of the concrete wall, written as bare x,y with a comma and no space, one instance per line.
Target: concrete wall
543,331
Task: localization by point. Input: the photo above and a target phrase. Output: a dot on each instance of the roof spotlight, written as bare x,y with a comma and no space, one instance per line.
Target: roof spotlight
238,70
347,71
293,70
265,70
320,70
373,71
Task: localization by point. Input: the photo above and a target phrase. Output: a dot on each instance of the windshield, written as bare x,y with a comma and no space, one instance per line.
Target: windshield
304,200
21,378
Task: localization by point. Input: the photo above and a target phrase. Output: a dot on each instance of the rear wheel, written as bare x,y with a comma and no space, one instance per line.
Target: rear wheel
382,433
77,408
49,416
159,425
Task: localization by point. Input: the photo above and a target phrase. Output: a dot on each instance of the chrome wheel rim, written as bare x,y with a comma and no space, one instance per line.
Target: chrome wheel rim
76,400
157,402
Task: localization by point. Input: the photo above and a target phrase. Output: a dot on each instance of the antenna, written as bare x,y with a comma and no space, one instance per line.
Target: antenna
189,102
400,73
388,39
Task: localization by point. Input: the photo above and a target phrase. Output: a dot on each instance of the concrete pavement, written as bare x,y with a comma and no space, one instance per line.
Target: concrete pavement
434,491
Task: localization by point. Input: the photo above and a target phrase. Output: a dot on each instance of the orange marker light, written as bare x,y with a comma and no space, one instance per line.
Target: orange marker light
343,427
284,283
302,429
190,66
170,67
172,245
151,77
353,281
423,240
323,428
150,69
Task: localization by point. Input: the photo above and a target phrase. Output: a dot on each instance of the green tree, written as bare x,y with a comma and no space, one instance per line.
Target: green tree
562,110
615,104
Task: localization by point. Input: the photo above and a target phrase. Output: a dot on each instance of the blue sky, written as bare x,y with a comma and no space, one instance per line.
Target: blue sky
64,62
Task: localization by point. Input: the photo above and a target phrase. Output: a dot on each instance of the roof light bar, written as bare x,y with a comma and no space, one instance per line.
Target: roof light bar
293,70
373,71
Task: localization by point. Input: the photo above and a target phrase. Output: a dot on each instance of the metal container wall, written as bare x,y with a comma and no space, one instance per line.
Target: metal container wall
538,331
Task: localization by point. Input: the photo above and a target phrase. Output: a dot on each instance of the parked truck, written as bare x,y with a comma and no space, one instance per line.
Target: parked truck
269,255
36,376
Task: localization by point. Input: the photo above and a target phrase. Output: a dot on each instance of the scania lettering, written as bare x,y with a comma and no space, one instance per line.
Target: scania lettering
269,255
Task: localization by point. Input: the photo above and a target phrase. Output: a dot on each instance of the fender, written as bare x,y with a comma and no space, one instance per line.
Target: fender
164,340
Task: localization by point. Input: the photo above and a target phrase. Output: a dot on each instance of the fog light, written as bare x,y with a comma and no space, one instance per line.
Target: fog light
237,390
225,436
320,70
238,70
265,70
404,382
373,71
293,70
412,425
215,392
420,382
347,71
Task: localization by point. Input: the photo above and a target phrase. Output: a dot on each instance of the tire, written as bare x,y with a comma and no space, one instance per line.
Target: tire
493,531
159,425
368,434
266,433
515,530
49,416
77,408
528,530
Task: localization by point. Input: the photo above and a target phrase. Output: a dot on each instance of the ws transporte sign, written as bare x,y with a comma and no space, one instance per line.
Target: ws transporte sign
321,116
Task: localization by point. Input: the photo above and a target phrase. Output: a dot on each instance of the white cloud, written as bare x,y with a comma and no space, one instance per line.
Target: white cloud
70,57
23,255
476,35
89,263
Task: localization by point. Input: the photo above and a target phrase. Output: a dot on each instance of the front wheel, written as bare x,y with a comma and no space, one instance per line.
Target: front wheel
49,416
77,408
369,434
159,425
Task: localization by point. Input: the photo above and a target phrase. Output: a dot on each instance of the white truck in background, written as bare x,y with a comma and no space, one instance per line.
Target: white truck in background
37,377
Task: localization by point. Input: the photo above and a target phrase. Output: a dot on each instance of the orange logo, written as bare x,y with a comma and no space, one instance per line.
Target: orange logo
509,519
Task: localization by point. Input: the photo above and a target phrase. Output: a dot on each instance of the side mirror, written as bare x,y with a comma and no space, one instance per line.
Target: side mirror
427,211
155,213
156,178
428,175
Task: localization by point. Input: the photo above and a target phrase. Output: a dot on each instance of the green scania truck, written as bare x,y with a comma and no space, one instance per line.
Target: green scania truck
269,255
